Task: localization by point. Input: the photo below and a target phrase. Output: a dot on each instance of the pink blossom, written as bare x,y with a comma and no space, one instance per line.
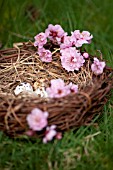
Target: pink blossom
37,119
66,43
81,38
87,36
98,66
73,87
50,133
40,39
77,38
30,132
85,55
80,42
57,89
55,33
58,135
45,55
71,59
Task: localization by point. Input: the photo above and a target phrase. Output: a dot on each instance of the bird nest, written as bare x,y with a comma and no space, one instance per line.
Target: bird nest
22,64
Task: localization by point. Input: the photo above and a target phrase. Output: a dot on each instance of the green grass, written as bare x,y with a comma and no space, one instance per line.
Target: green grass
89,147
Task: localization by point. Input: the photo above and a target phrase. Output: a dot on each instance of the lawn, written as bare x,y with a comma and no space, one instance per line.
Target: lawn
89,147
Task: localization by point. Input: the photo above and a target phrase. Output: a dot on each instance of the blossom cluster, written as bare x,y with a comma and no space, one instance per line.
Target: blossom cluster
37,121
71,59
69,45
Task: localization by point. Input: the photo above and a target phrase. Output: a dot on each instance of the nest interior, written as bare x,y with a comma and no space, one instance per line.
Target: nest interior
22,64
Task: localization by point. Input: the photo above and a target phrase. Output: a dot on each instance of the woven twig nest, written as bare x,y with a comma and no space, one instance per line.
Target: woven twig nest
73,110
22,64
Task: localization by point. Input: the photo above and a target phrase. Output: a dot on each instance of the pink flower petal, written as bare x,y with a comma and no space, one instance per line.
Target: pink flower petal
45,55
67,42
58,135
30,133
73,87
